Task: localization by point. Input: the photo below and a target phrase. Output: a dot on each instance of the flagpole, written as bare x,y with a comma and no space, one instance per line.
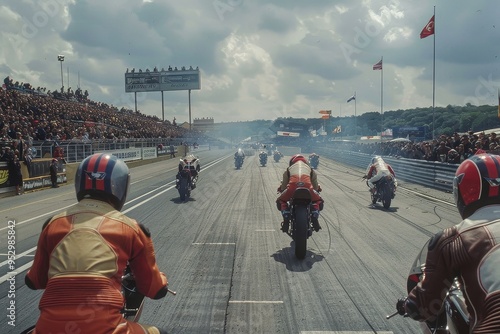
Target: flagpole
434,77
340,118
382,97
355,120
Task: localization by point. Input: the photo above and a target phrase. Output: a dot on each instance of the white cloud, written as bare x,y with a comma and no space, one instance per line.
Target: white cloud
258,60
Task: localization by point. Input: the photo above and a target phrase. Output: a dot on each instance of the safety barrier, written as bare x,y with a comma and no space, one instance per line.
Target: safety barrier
432,174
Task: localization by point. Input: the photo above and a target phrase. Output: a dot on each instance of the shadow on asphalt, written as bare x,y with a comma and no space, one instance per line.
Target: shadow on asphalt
287,257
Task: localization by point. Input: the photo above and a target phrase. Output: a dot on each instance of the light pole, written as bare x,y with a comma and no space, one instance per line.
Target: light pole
61,59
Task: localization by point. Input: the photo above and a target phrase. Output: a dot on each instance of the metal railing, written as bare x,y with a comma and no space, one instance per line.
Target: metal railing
76,151
432,174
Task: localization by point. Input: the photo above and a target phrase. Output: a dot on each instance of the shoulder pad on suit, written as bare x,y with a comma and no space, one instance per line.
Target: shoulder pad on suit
145,230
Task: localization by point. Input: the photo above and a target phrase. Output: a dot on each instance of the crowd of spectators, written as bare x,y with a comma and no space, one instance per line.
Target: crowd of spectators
451,149
28,114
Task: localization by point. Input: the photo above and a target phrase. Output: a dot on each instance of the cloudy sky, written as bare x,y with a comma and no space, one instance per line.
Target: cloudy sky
259,59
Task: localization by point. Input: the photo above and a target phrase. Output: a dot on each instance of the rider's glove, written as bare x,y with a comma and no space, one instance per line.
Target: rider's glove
400,306
279,190
319,189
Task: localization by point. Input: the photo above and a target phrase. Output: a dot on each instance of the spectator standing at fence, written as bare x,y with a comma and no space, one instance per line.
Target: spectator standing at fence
53,173
15,174
172,151
20,145
441,152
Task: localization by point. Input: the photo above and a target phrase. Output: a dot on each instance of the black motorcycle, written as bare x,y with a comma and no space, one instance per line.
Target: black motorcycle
277,156
314,161
134,300
238,162
453,317
385,191
300,221
185,183
263,159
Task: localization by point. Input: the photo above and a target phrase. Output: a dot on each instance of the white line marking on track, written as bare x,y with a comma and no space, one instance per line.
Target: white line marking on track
255,302
213,243
29,264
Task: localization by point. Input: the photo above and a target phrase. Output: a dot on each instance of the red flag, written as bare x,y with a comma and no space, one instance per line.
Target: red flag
378,66
428,29
325,112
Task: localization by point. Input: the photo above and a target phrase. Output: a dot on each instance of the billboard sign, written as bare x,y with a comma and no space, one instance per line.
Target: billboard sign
410,132
162,81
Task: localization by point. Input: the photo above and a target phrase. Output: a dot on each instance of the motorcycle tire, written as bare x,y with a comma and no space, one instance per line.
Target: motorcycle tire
183,189
386,197
300,227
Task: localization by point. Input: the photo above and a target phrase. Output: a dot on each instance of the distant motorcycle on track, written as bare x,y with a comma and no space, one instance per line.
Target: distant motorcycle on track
263,159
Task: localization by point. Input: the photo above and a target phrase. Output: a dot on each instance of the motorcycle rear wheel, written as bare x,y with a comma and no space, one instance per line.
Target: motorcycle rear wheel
300,227
183,189
386,197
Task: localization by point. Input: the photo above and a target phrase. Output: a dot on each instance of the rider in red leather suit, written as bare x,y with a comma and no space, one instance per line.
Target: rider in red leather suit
83,251
469,251
299,171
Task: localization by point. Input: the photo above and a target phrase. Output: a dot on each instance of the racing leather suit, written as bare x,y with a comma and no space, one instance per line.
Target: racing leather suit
299,172
469,251
80,258
378,170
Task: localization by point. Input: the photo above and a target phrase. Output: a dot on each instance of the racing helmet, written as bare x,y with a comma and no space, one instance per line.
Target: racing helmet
376,158
103,176
477,183
297,157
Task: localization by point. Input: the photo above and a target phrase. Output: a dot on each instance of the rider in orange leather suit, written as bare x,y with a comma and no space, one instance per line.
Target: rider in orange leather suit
299,171
83,251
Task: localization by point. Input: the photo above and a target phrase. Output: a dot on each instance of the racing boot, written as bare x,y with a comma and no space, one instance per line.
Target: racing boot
286,220
314,220
176,183
314,217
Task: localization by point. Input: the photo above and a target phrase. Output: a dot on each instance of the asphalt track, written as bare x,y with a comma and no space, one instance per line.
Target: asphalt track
233,269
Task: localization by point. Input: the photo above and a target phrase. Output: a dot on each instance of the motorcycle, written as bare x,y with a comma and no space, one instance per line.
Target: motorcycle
187,177
314,161
238,162
453,317
277,156
263,159
185,184
134,300
385,191
300,221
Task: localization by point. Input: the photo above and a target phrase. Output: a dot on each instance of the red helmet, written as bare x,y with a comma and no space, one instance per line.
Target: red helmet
477,183
297,157
103,176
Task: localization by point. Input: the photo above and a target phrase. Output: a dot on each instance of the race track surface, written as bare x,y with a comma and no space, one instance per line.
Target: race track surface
233,269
